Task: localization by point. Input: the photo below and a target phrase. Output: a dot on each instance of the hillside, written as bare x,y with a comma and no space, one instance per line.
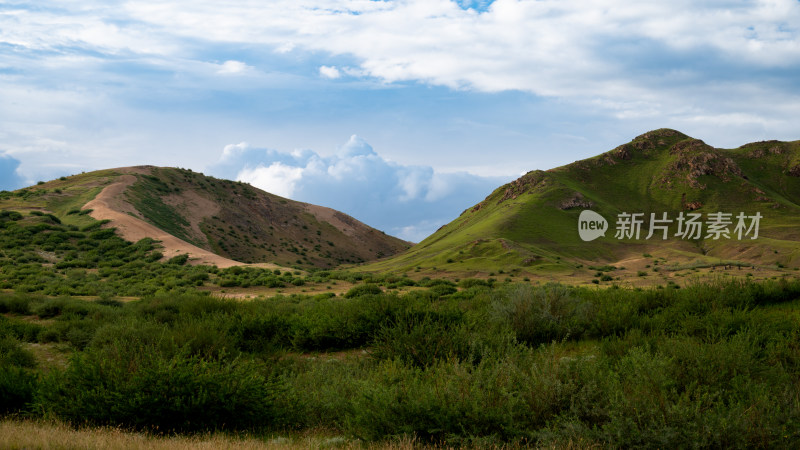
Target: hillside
215,221
530,226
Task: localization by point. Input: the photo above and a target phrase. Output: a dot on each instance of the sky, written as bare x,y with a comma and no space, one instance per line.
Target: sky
401,113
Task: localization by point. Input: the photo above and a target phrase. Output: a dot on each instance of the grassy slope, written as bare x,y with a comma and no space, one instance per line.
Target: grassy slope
524,225
60,196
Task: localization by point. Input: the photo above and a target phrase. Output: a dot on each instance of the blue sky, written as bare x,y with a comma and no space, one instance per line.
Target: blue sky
400,113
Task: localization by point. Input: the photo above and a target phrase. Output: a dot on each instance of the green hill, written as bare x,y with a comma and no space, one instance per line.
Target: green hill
530,226
230,219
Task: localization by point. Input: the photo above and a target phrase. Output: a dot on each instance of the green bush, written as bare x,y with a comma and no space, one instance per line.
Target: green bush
422,339
20,330
540,314
440,290
472,282
17,304
17,389
181,393
497,401
363,289
179,260
12,354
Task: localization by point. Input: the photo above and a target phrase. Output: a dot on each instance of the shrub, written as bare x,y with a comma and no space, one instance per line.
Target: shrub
17,389
441,290
452,403
363,289
17,304
12,354
10,215
472,282
152,392
422,339
539,314
179,260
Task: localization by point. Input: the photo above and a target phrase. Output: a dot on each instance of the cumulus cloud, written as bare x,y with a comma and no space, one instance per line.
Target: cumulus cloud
278,178
10,178
408,201
329,72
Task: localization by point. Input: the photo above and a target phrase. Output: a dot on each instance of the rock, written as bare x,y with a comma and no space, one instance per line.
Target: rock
576,201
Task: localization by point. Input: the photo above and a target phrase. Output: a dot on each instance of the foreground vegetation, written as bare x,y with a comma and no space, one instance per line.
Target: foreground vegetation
715,364
99,332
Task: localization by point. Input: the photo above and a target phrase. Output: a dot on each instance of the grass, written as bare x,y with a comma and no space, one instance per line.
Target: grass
60,196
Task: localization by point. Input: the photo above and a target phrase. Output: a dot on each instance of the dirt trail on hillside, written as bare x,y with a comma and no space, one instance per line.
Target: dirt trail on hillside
110,205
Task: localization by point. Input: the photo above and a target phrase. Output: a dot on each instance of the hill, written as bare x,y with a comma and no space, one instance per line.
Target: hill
530,226
215,221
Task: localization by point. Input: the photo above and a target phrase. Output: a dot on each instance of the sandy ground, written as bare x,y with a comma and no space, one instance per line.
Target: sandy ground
109,205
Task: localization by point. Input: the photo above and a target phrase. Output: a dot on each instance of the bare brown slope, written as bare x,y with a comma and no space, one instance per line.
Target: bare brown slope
111,205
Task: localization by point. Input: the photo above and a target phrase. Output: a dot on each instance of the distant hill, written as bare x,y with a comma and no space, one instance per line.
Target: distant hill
531,224
215,221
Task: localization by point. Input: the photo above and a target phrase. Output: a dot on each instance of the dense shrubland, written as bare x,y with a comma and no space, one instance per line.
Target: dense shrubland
709,365
40,255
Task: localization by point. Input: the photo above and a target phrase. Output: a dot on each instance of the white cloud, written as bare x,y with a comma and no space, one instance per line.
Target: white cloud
278,179
548,48
233,68
286,47
330,72
407,201
636,60
231,151
87,25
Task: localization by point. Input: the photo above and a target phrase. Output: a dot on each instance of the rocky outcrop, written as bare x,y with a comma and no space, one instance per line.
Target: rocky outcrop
525,183
575,201
694,159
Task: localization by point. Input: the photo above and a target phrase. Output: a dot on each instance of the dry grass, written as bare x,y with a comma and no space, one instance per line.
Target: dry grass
29,434
52,435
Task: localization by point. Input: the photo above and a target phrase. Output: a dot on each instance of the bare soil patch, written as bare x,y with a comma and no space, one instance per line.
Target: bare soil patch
111,205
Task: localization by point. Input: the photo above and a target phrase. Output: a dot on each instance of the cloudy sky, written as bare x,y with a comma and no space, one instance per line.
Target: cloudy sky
400,112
